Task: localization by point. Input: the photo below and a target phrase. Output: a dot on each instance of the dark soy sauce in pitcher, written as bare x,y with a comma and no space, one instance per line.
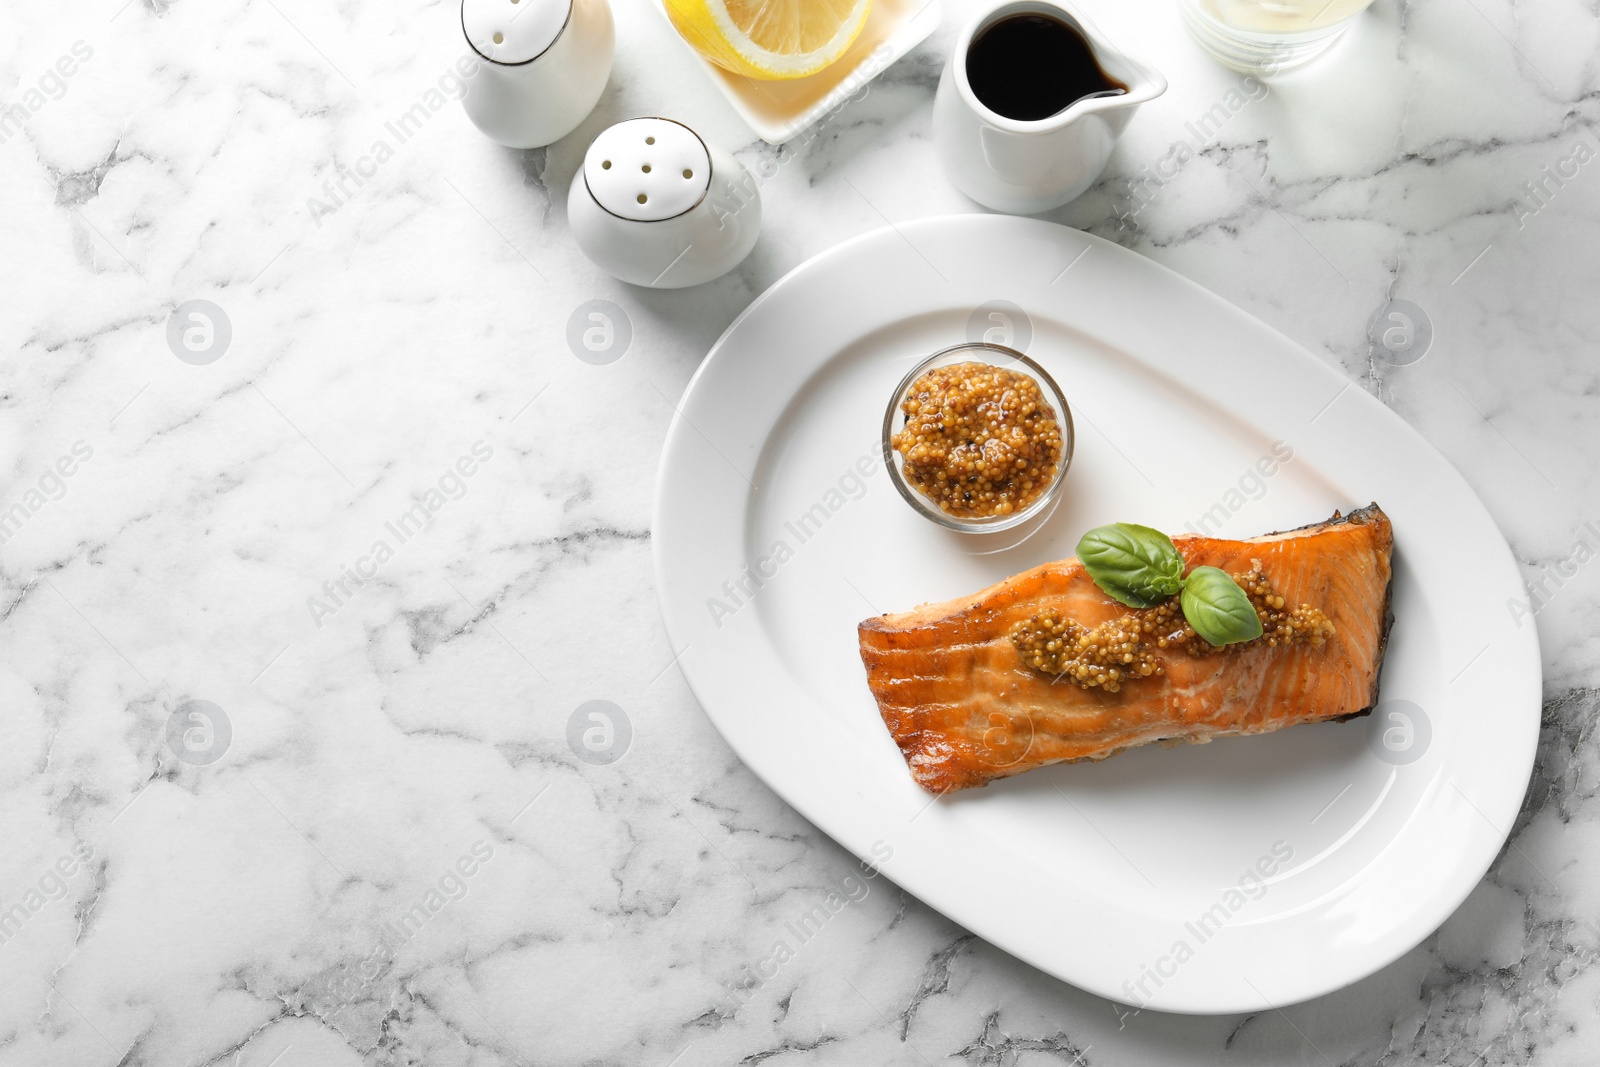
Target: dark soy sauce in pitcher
1030,67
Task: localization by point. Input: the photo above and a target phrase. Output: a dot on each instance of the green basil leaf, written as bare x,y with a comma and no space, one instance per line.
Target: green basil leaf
1133,565
1218,609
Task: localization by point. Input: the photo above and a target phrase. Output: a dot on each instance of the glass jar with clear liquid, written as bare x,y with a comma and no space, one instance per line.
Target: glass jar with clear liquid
1266,36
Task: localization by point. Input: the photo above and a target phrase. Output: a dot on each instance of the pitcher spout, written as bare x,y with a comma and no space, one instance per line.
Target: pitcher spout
1144,82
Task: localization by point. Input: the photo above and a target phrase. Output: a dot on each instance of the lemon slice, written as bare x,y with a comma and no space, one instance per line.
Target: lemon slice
770,39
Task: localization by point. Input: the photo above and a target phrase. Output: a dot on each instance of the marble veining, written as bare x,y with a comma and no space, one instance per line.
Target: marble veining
381,844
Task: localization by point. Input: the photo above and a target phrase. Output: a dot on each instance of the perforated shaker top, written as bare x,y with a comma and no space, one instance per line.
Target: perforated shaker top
648,169
513,31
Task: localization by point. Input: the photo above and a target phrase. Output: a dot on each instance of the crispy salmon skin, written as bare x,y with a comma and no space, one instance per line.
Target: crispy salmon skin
965,708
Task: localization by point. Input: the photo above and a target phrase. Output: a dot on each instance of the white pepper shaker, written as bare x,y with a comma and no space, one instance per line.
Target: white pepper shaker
545,64
655,205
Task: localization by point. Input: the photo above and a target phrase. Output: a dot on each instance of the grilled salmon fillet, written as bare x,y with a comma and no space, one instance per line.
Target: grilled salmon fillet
965,708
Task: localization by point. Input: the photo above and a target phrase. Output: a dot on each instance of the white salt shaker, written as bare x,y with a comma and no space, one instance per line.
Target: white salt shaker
546,63
656,206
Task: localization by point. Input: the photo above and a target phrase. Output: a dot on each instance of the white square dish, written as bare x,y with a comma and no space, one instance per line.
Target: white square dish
779,110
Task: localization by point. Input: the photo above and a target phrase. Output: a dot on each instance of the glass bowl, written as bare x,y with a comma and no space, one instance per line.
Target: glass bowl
998,356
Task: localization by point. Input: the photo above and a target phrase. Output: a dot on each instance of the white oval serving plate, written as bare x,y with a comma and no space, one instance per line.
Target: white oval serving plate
1247,873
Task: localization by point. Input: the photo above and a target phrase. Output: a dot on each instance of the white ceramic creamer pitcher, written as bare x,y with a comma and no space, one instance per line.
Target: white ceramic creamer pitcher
1025,167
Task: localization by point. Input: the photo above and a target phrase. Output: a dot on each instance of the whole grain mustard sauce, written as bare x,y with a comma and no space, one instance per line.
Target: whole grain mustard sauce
979,441
1124,648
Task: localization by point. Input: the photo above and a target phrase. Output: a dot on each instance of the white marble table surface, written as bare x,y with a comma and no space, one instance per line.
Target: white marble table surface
385,737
